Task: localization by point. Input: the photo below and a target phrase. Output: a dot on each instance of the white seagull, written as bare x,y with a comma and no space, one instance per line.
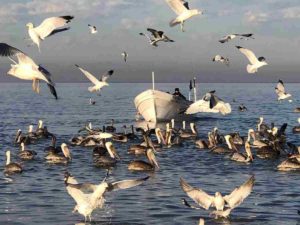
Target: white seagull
255,62
232,36
223,204
47,28
125,55
280,91
221,59
26,68
181,8
89,197
93,29
98,84
156,36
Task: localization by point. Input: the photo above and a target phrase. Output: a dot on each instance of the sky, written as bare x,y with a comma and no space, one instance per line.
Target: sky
275,24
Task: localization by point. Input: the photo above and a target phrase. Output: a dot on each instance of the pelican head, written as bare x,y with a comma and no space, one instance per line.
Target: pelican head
7,157
66,151
40,123
248,150
152,158
29,25
227,139
111,150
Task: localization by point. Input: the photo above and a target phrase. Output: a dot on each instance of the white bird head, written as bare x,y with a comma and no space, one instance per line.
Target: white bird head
218,194
40,123
29,25
30,128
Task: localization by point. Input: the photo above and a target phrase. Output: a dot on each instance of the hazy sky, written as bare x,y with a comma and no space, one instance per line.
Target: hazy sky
275,24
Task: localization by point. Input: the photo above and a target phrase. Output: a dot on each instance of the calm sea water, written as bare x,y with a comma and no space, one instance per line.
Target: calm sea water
38,196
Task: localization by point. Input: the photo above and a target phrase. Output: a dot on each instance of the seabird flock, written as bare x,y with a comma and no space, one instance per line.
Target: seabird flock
269,141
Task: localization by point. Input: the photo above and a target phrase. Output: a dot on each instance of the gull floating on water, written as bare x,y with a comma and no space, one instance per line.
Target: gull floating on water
98,84
156,36
280,91
89,197
26,68
255,62
232,36
93,29
223,204
221,59
125,55
181,8
47,28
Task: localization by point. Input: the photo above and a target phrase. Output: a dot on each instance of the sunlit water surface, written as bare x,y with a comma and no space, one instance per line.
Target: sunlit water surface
38,195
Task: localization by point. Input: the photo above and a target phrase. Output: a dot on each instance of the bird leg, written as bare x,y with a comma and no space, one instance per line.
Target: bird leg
181,26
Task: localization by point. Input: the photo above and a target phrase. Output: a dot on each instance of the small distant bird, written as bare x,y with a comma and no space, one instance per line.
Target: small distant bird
93,29
255,62
221,59
98,84
89,197
183,11
223,204
26,68
92,101
125,55
47,28
242,108
232,36
280,91
156,36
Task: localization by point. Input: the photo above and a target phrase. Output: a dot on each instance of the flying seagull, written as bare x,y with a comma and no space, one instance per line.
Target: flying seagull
156,36
232,36
221,59
255,62
89,197
125,55
27,69
181,8
47,28
93,29
280,91
98,84
223,204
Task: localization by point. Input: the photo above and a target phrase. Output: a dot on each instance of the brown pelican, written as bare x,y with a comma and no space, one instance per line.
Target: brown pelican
228,148
21,138
296,129
26,154
201,144
139,165
11,167
223,204
56,158
239,157
189,134
107,161
89,197
52,147
291,163
256,143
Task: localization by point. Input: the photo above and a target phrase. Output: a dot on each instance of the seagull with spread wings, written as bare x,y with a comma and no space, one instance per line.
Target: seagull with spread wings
229,37
47,28
98,84
156,36
89,197
280,91
183,11
222,59
27,69
223,204
255,62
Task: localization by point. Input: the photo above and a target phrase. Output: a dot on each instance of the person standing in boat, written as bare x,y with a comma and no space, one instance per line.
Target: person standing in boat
178,94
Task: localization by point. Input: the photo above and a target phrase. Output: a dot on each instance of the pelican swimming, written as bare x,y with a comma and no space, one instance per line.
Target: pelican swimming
223,204
52,147
11,167
21,138
47,28
27,69
245,158
89,197
140,165
189,134
183,11
228,148
291,163
26,154
56,158
107,161
98,84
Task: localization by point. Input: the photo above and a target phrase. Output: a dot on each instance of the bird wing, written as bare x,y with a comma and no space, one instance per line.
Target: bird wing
106,76
177,6
50,24
7,50
125,184
280,86
79,197
198,195
98,193
93,79
154,32
249,54
47,75
238,195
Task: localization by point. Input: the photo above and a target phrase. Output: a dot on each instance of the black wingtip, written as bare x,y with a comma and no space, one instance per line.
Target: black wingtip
110,72
76,65
238,47
67,18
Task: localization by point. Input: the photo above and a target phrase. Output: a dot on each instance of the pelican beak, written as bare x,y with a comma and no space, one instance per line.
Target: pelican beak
152,159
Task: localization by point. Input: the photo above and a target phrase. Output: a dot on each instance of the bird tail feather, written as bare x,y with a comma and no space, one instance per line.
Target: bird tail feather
251,69
174,22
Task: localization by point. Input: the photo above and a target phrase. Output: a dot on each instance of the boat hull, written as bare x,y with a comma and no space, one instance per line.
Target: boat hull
156,106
